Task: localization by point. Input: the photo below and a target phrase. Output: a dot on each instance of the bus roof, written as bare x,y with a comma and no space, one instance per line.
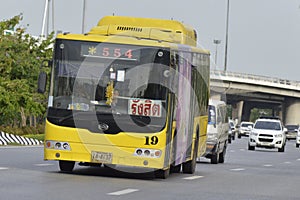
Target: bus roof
148,28
140,31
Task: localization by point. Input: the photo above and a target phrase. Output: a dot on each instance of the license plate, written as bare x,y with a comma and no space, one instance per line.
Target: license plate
101,157
266,144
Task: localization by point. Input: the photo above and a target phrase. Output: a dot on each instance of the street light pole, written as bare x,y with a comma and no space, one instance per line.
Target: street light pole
226,37
216,42
44,18
83,16
52,15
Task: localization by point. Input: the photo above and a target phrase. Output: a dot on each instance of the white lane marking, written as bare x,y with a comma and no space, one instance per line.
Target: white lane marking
237,169
287,162
298,159
242,149
192,177
232,151
267,165
122,192
3,168
43,165
20,147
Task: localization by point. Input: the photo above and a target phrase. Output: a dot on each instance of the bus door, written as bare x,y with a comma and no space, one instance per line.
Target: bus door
184,122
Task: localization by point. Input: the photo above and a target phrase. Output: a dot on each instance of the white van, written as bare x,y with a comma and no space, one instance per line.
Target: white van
217,132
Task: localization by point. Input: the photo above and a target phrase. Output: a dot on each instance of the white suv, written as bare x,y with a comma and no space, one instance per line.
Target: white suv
267,132
298,138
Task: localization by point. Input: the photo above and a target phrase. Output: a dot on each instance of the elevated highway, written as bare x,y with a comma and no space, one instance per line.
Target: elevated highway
245,92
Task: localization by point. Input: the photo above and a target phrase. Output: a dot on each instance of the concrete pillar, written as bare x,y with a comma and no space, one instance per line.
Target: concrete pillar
237,111
246,111
291,111
240,110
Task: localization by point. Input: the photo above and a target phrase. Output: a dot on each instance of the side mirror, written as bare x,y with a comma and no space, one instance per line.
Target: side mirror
285,130
42,81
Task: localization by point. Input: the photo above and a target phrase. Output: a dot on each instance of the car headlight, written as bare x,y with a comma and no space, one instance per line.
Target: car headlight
278,135
254,134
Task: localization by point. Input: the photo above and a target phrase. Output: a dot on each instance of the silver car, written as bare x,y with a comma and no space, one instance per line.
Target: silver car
244,129
291,131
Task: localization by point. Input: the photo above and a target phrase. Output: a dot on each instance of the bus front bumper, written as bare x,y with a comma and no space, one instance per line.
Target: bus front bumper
126,156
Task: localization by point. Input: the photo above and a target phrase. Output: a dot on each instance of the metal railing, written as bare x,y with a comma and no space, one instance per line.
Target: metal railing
254,79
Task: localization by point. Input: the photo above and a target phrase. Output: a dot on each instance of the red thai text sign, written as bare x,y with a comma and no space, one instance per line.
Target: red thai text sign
145,107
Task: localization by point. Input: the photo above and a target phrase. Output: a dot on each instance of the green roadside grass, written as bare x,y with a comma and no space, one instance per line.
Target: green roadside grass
35,136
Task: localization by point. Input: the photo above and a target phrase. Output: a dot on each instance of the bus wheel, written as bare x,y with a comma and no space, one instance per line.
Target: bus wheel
162,173
175,169
189,167
66,166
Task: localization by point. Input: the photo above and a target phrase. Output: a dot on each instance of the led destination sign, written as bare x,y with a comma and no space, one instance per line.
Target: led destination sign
110,51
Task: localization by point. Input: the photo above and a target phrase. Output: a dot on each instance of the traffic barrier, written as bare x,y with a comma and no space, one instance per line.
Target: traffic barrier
6,138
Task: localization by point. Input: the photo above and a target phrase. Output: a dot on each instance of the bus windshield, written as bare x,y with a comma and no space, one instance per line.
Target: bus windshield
106,78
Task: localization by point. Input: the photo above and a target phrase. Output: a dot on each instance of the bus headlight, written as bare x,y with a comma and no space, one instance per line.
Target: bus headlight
58,145
152,153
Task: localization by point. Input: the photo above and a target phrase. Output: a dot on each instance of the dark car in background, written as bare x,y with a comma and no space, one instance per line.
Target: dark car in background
291,131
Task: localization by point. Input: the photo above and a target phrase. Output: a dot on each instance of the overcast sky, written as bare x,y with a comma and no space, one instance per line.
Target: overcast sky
264,35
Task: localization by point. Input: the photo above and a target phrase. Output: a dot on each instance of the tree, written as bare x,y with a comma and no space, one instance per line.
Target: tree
20,58
256,113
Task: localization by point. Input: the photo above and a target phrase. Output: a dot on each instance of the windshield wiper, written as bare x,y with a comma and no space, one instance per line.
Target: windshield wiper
72,115
68,117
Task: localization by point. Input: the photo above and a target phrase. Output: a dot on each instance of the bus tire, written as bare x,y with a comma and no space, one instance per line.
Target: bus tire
189,167
175,169
66,166
162,173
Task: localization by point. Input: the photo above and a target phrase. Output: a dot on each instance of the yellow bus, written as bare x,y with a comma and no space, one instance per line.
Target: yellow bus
132,92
